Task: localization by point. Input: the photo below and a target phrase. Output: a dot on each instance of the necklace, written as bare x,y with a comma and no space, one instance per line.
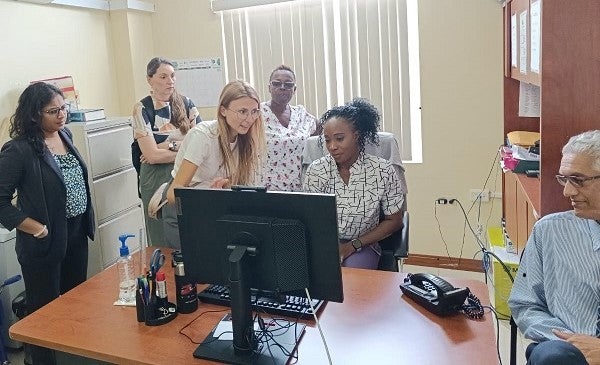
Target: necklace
54,145
50,147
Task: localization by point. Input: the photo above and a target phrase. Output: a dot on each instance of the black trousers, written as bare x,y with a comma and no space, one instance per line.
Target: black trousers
45,283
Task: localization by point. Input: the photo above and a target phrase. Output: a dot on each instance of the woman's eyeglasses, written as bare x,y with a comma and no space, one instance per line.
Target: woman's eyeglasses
54,111
576,181
285,85
245,113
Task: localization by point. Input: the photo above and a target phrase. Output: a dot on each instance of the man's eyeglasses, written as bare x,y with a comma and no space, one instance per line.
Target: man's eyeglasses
54,111
245,113
576,181
285,85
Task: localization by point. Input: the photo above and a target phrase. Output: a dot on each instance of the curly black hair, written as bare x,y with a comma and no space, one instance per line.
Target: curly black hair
26,123
363,116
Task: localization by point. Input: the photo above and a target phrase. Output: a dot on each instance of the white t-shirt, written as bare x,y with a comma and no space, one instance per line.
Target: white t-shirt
201,147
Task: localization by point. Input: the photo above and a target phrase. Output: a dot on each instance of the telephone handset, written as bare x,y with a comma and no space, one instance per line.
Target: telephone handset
434,293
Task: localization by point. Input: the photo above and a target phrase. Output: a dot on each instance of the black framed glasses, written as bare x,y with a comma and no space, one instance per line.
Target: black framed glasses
54,111
576,181
245,113
280,84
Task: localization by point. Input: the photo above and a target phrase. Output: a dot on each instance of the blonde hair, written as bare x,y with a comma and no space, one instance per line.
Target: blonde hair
250,146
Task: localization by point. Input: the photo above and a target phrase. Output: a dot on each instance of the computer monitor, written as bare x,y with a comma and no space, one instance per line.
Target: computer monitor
249,238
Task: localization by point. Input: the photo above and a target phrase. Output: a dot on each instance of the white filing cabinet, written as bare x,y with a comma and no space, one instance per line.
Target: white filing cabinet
9,266
106,148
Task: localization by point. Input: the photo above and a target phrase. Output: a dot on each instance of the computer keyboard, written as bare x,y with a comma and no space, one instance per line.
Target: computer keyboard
288,306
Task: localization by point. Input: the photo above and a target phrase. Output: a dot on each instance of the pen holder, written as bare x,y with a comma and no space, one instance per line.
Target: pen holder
150,309
157,315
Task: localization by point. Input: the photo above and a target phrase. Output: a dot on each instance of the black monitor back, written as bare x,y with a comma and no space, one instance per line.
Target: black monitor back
210,219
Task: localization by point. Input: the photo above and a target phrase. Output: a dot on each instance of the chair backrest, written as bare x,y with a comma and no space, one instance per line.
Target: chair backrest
394,248
388,148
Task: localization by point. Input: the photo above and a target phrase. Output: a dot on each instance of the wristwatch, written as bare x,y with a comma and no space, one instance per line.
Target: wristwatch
172,146
357,244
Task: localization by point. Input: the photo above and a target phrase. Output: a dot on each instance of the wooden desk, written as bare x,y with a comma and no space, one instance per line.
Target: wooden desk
374,325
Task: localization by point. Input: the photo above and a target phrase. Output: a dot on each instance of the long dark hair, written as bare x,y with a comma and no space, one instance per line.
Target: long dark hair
363,116
26,123
178,111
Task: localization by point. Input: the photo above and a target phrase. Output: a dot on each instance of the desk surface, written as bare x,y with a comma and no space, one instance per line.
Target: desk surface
374,325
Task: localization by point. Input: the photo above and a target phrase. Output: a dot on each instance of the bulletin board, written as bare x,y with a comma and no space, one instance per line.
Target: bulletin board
201,80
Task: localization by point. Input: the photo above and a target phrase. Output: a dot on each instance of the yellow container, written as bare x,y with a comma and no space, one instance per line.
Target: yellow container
501,281
495,236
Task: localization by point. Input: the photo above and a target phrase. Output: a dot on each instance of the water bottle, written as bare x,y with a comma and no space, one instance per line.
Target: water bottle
187,297
126,272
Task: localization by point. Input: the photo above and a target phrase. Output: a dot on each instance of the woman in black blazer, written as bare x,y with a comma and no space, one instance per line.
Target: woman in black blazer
53,214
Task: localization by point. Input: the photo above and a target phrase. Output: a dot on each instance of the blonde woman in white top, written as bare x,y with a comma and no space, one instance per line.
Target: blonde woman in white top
221,153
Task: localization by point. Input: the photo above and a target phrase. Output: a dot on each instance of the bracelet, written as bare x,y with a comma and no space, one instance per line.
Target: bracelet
40,232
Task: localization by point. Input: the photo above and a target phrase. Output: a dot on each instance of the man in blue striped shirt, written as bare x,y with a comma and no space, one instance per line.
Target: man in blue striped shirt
555,299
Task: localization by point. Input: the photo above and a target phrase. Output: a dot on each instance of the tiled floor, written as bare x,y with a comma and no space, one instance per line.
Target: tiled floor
504,343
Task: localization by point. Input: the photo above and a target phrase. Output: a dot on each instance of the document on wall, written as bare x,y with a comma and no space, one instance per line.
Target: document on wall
513,40
529,100
201,80
523,42
535,33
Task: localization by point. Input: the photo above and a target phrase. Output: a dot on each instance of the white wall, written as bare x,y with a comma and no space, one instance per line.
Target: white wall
461,86
42,41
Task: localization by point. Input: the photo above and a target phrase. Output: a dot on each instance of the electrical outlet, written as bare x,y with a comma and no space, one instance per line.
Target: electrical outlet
475,194
496,195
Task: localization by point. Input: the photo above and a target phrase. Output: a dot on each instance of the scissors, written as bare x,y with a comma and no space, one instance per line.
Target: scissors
157,261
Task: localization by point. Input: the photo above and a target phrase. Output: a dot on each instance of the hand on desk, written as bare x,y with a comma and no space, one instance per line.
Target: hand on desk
588,345
220,183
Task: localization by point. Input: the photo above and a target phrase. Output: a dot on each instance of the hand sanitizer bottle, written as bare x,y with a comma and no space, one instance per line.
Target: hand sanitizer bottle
126,272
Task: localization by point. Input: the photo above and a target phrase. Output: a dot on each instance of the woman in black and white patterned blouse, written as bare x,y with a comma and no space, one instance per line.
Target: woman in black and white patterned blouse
364,185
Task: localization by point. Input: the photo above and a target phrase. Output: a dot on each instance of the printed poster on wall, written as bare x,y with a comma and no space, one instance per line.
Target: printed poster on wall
201,80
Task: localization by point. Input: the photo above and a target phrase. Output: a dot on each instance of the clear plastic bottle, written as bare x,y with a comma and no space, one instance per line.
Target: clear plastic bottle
126,272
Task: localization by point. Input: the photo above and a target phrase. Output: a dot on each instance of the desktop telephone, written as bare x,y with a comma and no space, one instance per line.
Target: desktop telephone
439,296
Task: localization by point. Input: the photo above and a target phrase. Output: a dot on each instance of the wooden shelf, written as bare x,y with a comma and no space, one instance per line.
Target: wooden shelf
569,97
531,189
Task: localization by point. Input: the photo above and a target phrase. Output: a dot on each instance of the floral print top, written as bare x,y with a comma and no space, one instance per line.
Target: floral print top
283,170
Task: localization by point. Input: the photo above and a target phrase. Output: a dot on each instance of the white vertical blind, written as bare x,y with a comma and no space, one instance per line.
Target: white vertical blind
339,49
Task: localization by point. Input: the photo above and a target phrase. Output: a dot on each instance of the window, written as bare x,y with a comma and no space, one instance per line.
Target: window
339,49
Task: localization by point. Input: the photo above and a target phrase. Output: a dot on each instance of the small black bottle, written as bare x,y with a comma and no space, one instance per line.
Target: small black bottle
187,295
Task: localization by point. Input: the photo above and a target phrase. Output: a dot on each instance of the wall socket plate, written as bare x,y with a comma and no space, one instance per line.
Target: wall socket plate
475,194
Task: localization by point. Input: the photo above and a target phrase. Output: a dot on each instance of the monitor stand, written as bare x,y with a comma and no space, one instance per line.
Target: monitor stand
275,348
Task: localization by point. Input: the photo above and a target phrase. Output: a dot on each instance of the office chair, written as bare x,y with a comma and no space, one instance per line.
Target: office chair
513,342
388,148
394,249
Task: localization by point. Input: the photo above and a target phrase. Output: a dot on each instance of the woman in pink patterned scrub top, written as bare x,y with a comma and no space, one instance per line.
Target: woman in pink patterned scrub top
286,127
